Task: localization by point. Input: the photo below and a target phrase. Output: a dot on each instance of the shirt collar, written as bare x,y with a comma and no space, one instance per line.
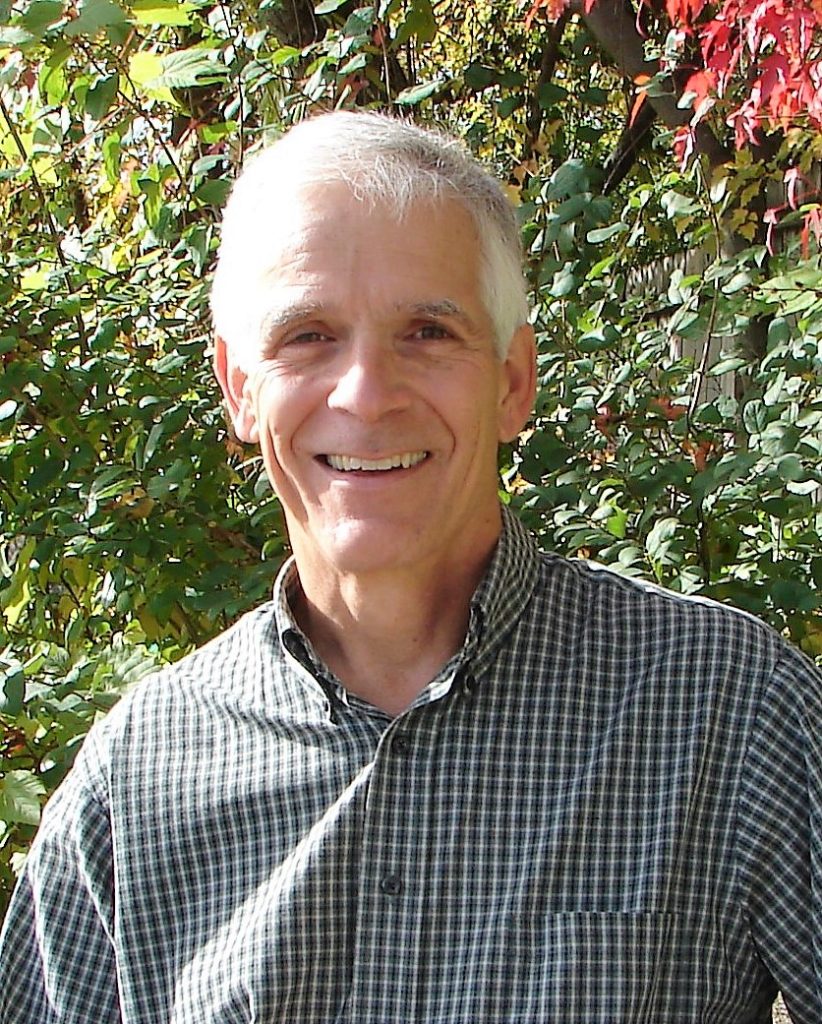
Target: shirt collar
498,602
505,590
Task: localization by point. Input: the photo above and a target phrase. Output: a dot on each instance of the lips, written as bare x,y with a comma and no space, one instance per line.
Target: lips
351,463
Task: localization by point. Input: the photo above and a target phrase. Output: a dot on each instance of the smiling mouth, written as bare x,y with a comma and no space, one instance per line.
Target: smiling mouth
350,463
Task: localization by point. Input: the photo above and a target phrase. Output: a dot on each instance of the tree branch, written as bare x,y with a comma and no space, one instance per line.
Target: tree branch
548,63
613,24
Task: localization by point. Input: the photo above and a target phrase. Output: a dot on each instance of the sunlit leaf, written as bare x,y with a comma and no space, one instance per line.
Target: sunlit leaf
417,93
20,793
184,69
160,12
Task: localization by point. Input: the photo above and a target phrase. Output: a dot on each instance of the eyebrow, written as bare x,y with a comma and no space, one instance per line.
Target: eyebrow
436,309
441,308
286,315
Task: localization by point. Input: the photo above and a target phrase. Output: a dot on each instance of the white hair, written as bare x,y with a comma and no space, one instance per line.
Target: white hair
383,160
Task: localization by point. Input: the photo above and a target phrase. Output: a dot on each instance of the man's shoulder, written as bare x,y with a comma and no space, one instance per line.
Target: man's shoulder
597,583
234,667
636,619
602,635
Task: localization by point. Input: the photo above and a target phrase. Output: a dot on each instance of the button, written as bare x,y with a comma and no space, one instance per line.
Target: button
469,683
294,645
391,885
401,745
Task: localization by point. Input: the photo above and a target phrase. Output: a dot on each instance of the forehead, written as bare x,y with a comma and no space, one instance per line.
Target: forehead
330,244
332,216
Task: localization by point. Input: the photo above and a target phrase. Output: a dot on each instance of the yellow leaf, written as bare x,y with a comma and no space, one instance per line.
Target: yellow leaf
160,12
34,281
747,230
143,69
811,642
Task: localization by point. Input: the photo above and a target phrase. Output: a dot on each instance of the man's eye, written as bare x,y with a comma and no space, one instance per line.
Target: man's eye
431,332
307,338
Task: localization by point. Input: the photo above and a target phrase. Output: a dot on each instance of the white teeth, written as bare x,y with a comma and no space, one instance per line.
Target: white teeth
346,463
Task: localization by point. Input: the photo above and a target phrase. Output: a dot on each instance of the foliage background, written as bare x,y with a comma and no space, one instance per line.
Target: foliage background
678,430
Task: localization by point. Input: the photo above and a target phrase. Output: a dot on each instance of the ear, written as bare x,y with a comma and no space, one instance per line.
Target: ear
233,382
518,383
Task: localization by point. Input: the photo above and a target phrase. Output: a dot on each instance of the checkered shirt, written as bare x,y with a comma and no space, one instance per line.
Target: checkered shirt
605,809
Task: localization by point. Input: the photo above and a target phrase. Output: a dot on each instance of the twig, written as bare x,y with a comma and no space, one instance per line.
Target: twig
52,227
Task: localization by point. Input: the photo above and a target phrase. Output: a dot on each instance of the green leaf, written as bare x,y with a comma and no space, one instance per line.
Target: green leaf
676,205
603,234
802,302
356,63
507,106
659,539
40,16
418,93
478,76
284,55
213,192
568,210
45,472
328,6
111,156
550,94
790,467
568,180
739,281
12,37
53,82
12,693
20,793
101,95
617,522
793,595
359,22
144,67
95,15
755,416
419,23
779,331
185,69
564,283
727,365
594,96
596,341
155,434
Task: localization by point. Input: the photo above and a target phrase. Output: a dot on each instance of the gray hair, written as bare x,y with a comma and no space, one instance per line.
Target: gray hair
382,160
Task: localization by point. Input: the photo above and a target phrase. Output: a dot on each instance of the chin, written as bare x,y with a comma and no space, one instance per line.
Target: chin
359,546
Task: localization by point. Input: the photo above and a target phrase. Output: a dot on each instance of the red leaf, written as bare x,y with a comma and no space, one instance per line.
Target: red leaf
771,218
792,180
814,219
552,8
684,145
639,99
684,12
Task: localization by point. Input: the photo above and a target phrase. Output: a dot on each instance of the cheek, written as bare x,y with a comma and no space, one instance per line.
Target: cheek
474,414
282,407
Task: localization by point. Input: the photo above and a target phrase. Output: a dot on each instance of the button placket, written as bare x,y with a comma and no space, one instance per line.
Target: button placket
386,955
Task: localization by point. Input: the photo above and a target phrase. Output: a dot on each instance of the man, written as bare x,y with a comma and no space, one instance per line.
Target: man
441,777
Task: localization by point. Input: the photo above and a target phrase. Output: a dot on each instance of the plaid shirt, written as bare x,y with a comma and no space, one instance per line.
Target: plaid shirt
605,809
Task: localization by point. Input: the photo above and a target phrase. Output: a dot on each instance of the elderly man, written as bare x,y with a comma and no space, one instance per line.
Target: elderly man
441,777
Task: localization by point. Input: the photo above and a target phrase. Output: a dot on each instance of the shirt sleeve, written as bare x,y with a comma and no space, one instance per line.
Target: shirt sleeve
780,834
57,961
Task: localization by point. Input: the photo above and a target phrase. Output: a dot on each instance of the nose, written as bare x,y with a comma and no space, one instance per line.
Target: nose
369,381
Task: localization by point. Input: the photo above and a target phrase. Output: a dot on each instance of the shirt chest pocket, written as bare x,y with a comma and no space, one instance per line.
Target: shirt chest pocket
597,968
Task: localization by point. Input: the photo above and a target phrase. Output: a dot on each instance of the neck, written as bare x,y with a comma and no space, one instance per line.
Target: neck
386,635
